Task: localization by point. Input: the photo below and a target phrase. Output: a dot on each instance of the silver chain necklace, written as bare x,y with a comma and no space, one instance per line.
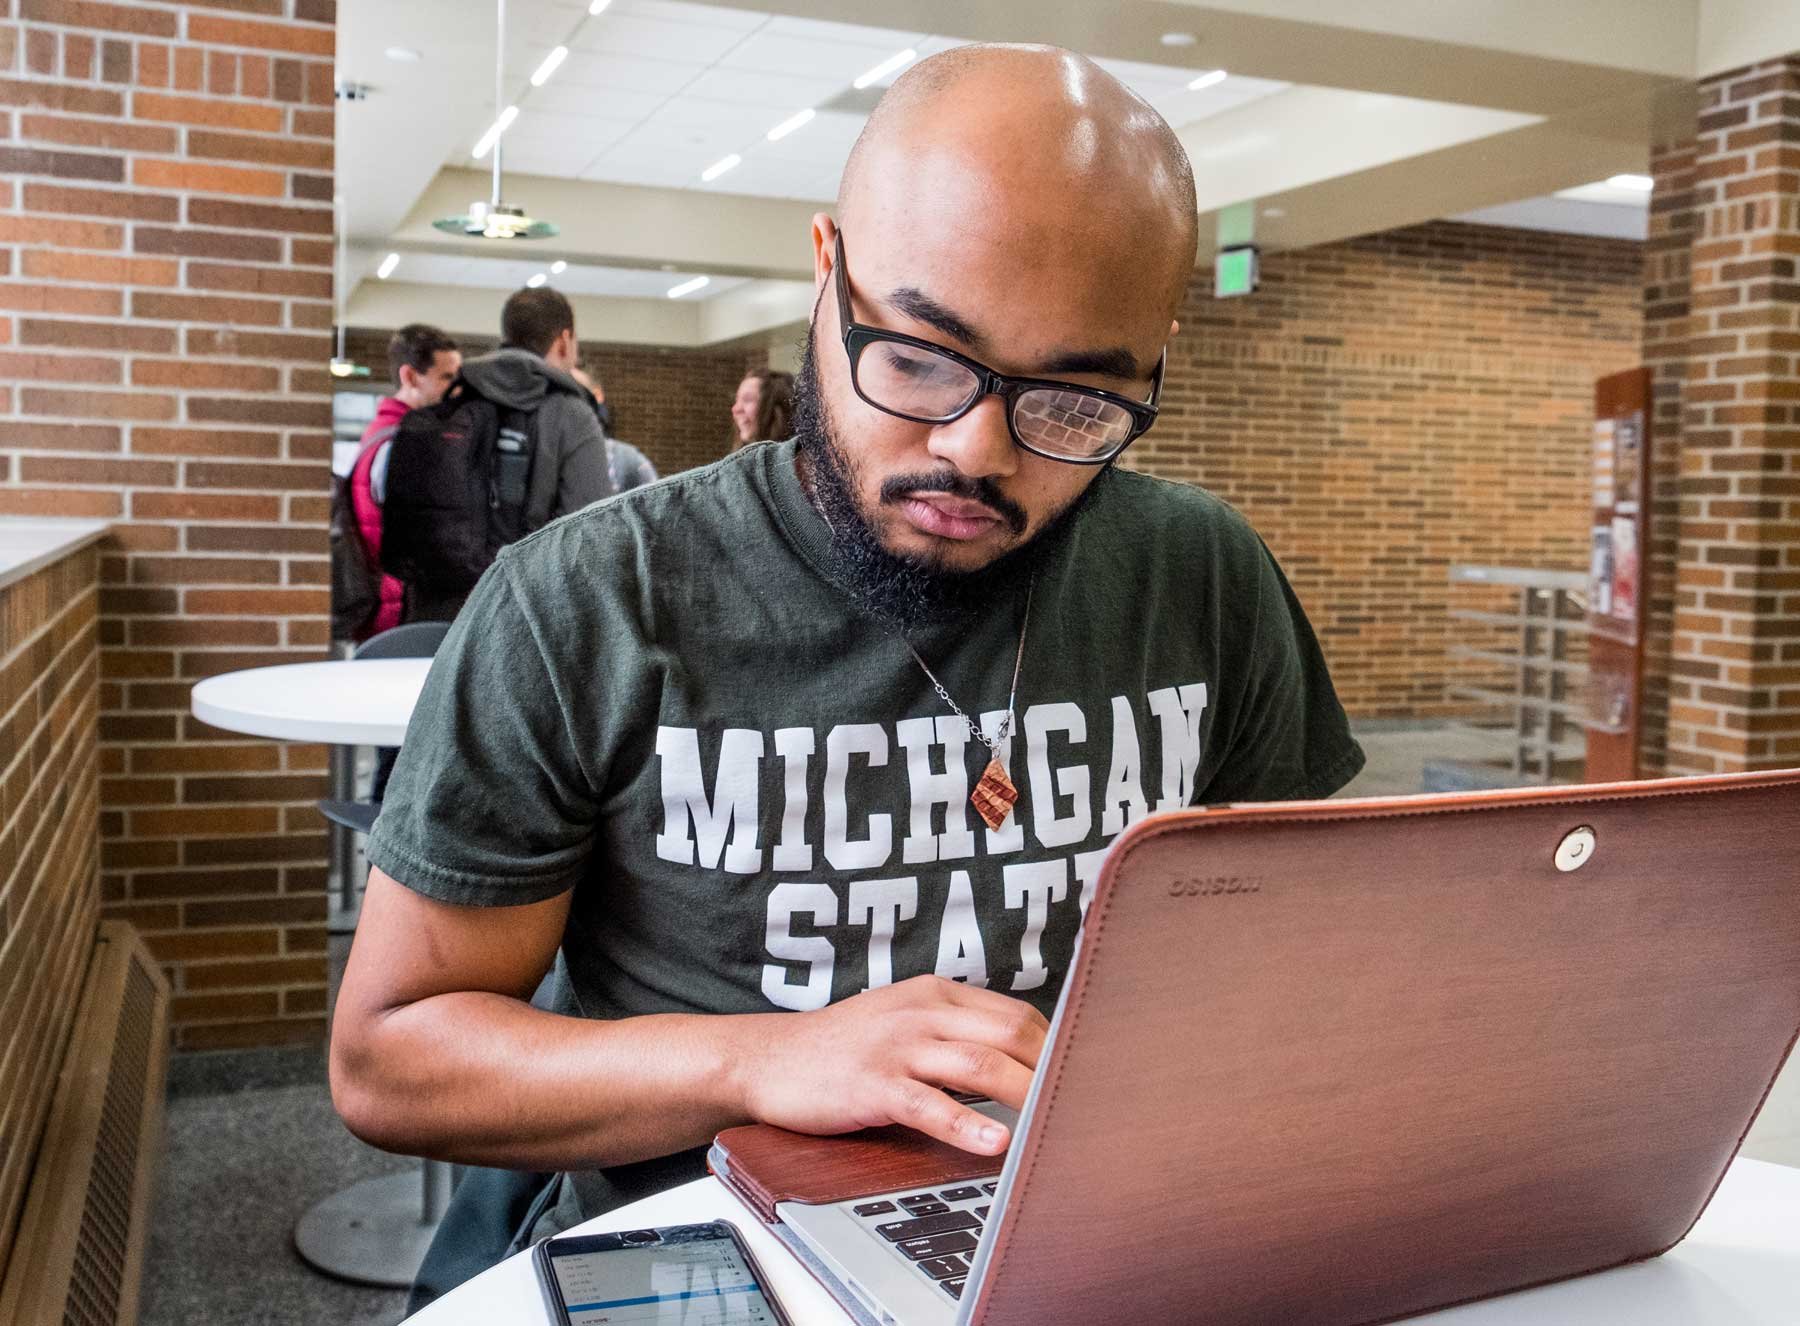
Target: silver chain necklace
995,793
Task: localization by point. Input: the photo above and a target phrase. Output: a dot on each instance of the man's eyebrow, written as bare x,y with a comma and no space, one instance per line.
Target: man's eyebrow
921,307
1112,362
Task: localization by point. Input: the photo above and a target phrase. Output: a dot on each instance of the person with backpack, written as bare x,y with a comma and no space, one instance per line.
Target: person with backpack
516,443
366,601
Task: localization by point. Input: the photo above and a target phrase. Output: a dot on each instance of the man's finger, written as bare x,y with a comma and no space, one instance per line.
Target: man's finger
1008,1030
931,1112
966,1066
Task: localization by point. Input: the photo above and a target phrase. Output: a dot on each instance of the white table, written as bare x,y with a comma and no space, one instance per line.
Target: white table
376,1231
342,704
349,702
1739,1267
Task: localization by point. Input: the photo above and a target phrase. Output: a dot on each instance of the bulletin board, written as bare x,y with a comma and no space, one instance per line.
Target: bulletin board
1618,540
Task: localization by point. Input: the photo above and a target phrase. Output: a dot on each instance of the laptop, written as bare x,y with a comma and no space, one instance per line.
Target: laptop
1342,1062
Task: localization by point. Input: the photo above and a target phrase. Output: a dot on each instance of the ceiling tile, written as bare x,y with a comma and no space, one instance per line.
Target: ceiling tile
675,11
603,102
804,56
625,73
750,87
853,33
657,39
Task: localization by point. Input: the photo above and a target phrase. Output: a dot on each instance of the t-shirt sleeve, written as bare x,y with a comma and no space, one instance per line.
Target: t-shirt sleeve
489,805
1290,738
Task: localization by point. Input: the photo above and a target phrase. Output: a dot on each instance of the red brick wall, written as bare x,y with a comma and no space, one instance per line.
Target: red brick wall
674,405
1734,689
49,803
1387,406
165,288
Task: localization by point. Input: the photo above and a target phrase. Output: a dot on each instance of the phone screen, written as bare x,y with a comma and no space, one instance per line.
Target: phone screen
689,1276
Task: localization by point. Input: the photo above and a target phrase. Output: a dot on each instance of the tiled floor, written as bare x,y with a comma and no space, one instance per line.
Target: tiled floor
242,1165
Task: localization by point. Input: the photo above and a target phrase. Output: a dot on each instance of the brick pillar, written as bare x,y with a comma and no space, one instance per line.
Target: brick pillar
1668,252
165,322
1734,689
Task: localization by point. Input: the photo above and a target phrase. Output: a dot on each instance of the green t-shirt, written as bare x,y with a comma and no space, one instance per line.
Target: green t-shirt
663,703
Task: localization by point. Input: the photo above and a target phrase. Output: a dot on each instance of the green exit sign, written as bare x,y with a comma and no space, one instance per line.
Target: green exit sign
1234,272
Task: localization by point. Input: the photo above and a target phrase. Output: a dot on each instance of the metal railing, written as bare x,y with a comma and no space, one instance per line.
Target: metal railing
1523,670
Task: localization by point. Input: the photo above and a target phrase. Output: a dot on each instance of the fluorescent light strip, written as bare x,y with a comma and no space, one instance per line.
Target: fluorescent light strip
536,281
719,167
1213,79
793,122
495,129
558,267
1635,183
885,68
688,287
548,67
599,6
387,266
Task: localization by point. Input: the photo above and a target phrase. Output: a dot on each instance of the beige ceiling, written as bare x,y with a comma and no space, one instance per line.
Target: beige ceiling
1338,119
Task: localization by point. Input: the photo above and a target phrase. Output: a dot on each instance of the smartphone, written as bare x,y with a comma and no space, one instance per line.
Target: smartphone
675,1275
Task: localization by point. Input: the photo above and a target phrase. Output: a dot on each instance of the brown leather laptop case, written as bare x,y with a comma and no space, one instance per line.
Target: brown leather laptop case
1344,1062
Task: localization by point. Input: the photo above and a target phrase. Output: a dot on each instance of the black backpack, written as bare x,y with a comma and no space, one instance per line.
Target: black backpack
457,479
355,580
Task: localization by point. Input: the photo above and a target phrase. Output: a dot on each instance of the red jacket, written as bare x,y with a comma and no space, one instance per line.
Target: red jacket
368,511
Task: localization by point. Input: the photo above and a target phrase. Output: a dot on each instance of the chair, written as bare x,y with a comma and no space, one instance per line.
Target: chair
347,815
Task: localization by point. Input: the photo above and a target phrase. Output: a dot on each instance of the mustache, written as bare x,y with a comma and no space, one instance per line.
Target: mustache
982,490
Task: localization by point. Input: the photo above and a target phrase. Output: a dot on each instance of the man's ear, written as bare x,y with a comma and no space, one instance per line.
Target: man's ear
824,242
409,377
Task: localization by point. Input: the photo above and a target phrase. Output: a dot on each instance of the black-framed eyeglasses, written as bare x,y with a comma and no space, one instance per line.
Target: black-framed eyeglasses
932,384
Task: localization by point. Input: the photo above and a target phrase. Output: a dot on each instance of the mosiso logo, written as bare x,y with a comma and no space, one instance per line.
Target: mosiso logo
1211,886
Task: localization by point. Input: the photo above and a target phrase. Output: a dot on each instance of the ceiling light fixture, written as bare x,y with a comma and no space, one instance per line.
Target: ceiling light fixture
387,266
1635,183
341,365
598,7
558,267
793,122
402,55
548,67
1179,39
494,219
688,287
1212,79
719,167
488,140
885,68
536,281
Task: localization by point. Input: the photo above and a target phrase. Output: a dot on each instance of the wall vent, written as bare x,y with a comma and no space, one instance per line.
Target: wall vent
78,1255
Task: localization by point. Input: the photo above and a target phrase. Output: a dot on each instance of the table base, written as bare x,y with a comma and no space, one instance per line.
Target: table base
372,1233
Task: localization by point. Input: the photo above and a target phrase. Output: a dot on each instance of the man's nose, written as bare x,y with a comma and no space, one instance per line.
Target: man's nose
979,444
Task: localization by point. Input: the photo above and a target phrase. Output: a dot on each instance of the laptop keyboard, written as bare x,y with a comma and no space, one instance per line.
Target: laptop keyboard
934,1232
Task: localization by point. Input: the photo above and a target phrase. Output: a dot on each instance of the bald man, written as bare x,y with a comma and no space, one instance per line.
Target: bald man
806,761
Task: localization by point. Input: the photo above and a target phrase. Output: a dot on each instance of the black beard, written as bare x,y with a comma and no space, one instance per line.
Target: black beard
917,590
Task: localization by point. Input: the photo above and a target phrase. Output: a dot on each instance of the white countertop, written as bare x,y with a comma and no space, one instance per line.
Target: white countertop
28,543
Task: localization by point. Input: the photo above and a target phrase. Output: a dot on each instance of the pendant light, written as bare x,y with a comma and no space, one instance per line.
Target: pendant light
494,219
342,366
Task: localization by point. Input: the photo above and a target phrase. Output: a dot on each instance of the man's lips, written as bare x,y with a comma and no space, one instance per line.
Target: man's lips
948,517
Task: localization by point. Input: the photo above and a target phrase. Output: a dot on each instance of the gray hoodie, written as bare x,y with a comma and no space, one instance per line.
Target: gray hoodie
569,467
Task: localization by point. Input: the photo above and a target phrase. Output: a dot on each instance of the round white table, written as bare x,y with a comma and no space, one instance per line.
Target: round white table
348,702
1739,1267
376,1231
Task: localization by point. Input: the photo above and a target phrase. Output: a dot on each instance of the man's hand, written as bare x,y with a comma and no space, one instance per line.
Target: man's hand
884,1056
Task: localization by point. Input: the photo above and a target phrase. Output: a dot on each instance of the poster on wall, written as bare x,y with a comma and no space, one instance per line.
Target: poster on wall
1603,463
1627,463
1626,574
1600,571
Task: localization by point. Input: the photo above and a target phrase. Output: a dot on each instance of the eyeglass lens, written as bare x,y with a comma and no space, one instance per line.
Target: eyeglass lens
918,383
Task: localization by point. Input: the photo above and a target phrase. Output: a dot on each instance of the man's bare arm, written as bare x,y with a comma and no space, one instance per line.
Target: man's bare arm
436,1051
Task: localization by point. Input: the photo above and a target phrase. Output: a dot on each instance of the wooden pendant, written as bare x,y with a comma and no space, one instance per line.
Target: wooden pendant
994,795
